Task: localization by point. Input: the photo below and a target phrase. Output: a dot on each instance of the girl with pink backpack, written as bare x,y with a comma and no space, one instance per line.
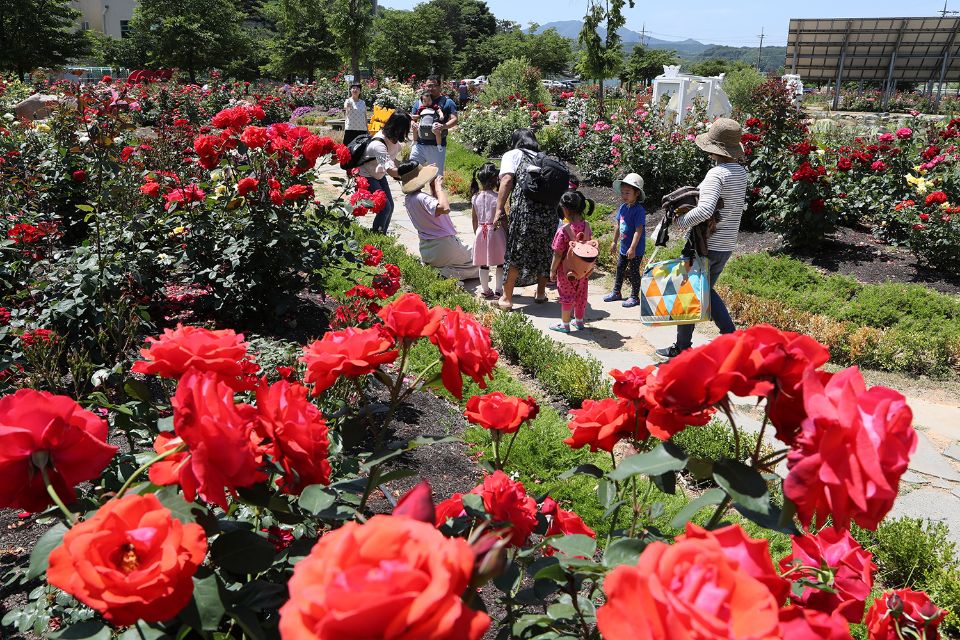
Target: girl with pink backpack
574,257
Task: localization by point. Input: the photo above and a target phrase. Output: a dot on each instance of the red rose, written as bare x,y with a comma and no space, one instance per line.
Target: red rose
208,150
936,198
379,200
247,185
601,424
924,217
753,556
132,560
392,577
879,166
298,192
79,175
505,500
233,118
39,430
852,568
904,614
343,155
218,433
699,378
797,623
562,522
690,589
316,146
409,318
844,164
151,189
854,446
466,349
284,372
371,255
254,137
500,412
417,504
186,195
276,197
297,433
817,206
349,353
178,350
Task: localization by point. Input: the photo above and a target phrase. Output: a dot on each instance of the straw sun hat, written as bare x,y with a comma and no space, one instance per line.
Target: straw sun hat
415,176
723,139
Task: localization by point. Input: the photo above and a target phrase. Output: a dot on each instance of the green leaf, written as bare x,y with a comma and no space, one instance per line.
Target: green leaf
242,551
143,631
712,497
574,545
207,603
317,498
623,551
666,482
744,485
89,630
666,457
181,509
561,611
588,469
138,390
40,557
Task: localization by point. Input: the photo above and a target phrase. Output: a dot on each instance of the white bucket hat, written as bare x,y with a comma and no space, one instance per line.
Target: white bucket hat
635,181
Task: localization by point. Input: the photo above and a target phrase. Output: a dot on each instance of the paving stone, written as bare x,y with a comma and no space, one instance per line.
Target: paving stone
928,461
953,451
914,478
933,504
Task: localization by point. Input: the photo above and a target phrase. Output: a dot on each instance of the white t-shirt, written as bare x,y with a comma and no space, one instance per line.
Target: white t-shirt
510,161
356,115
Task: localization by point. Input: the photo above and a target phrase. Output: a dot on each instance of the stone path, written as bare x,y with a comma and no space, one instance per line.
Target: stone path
616,337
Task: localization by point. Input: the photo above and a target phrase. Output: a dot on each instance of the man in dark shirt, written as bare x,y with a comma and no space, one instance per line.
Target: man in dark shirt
426,150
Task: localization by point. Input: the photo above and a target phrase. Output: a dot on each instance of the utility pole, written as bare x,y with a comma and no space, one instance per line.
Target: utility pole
945,13
760,52
643,35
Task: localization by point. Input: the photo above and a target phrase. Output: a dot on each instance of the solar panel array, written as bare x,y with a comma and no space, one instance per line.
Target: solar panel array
887,50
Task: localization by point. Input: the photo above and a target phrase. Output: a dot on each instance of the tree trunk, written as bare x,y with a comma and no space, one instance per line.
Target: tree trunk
602,107
355,64
193,75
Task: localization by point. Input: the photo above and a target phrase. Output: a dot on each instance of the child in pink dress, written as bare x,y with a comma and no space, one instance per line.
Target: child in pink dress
491,242
573,293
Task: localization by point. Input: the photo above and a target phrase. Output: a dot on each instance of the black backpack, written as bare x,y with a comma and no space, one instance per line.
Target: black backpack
358,147
547,179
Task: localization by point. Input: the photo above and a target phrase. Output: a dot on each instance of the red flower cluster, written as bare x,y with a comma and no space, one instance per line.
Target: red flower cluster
562,522
803,148
37,336
184,348
349,353
23,233
844,164
808,173
505,500
237,118
184,195
935,199
371,255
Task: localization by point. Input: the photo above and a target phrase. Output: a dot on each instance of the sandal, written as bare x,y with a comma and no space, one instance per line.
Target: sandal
488,294
504,306
560,327
541,300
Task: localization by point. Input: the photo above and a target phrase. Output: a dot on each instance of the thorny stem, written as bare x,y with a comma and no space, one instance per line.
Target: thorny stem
718,514
725,405
495,436
756,451
146,465
572,590
71,517
616,513
510,447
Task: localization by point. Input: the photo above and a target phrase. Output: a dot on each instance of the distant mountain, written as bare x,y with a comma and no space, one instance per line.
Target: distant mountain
571,29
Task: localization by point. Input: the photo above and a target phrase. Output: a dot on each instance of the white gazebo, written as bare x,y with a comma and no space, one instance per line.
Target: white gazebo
683,89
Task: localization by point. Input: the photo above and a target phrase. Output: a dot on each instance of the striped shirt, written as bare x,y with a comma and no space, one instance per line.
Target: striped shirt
727,180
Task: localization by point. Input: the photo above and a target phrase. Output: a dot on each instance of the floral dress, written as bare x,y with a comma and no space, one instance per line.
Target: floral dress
530,232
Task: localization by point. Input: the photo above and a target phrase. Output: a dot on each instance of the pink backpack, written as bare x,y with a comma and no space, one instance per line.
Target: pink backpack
581,255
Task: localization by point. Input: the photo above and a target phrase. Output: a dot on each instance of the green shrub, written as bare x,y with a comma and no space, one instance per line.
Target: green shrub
714,441
557,140
888,304
910,552
514,77
739,86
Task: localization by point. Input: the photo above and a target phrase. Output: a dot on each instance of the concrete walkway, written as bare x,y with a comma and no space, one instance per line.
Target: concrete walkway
616,337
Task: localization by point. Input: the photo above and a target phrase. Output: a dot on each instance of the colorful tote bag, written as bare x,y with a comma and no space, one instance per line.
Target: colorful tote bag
673,294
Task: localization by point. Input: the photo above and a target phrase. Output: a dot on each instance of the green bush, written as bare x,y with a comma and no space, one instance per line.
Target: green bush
739,86
889,304
514,77
557,140
714,441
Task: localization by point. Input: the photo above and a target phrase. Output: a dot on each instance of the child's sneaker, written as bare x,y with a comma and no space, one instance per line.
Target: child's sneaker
630,302
612,297
488,294
560,327
579,325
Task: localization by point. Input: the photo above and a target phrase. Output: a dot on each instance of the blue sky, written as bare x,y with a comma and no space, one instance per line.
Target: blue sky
712,21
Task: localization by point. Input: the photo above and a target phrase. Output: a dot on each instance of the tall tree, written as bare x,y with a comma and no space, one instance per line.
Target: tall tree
401,42
303,41
38,33
600,57
351,22
193,35
645,64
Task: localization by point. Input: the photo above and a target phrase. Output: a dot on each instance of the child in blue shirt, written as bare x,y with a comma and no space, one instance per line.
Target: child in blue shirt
629,238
